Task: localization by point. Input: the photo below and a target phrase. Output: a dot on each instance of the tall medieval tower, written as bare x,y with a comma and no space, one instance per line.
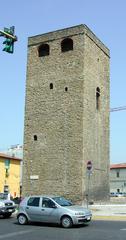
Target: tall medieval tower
67,114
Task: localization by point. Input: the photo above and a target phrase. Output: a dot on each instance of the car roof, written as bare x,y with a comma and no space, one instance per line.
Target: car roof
48,196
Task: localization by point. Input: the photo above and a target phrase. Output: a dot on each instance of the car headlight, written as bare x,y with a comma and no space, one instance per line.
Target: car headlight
79,213
1,204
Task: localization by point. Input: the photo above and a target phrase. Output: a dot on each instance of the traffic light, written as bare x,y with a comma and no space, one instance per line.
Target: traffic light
9,42
9,45
10,39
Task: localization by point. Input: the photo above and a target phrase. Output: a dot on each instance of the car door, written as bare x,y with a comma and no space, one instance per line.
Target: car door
33,208
49,211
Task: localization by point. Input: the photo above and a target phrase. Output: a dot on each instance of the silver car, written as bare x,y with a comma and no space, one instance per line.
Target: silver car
7,207
52,210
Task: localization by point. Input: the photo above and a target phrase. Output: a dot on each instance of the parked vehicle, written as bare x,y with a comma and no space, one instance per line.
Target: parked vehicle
117,194
7,207
52,210
113,194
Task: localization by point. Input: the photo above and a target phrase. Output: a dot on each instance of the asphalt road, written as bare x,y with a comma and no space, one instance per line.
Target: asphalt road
97,230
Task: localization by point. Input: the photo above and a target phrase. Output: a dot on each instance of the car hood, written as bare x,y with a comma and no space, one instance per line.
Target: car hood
79,209
6,201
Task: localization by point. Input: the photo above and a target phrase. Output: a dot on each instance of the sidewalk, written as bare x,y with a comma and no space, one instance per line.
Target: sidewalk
111,211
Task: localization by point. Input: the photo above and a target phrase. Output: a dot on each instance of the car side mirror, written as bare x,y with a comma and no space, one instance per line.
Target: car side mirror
54,206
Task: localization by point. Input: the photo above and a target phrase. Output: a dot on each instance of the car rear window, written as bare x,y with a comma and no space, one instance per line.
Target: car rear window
33,201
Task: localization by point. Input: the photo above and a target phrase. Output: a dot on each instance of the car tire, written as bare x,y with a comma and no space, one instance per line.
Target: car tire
22,219
66,222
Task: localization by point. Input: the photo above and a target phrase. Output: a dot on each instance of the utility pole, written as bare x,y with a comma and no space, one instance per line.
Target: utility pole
8,33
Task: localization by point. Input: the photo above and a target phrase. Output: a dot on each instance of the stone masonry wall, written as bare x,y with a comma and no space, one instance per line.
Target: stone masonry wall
96,132
69,129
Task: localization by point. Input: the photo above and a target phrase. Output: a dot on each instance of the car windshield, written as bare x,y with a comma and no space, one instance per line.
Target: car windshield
3,196
62,201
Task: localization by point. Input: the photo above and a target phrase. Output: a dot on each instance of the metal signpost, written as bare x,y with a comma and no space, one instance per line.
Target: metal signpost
89,171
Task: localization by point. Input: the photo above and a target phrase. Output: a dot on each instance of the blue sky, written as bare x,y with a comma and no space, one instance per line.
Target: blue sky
105,18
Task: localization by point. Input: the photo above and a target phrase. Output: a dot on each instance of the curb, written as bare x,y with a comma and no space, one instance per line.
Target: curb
109,218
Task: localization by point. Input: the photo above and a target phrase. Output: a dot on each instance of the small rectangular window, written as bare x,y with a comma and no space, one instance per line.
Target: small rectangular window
6,188
117,174
7,164
97,98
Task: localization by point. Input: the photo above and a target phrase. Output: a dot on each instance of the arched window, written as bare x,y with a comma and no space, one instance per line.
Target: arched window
67,45
97,98
43,50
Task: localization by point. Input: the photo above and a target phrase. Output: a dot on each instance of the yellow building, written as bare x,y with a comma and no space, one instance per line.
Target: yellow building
10,171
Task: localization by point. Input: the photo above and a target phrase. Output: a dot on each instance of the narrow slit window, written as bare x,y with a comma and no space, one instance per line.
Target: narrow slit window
51,85
35,137
117,174
97,98
67,45
43,50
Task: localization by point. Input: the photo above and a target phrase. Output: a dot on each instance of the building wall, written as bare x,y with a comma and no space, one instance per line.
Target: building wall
12,179
69,129
16,151
96,122
118,180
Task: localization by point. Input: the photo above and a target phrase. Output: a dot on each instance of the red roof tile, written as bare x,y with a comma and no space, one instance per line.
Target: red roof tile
2,155
118,165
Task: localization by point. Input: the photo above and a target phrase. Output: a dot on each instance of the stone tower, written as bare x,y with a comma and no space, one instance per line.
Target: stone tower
67,114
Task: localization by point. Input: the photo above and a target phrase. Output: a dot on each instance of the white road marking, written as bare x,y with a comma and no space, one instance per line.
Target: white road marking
14,234
123,229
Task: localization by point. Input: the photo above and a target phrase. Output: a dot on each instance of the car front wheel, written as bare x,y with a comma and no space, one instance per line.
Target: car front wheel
66,222
22,219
